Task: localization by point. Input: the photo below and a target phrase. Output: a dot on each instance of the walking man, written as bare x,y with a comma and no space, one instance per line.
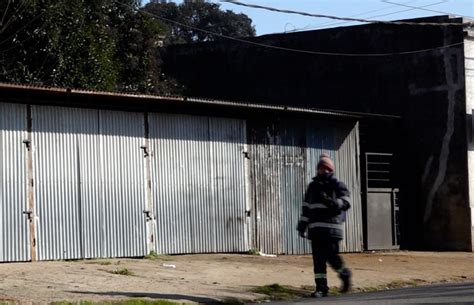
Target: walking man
325,204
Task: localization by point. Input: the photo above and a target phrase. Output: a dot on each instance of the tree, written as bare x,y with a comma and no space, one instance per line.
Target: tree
103,45
199,14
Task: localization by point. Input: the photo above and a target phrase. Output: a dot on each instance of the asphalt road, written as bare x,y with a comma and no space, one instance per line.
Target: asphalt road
458,294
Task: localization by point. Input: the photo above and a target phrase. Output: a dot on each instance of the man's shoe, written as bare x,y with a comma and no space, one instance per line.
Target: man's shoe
345,276
319,294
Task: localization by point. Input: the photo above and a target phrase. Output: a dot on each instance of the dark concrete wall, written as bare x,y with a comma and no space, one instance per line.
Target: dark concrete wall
427,89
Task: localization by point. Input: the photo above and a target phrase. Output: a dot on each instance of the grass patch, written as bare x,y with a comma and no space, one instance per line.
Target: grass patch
393,285
155,256
99,262
253,252
404,284
124,302
277,292
334,291
122,271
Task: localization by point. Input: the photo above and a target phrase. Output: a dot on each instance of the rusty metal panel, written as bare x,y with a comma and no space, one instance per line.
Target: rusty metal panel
198,178
285,155
14,228
267,168
56,175
123,183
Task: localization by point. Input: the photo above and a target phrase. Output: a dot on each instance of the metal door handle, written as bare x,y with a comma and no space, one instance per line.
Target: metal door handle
27,143
147,214
145,151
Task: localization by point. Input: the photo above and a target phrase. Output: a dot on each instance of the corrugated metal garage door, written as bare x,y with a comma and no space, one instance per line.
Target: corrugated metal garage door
90,188
198,183
67,196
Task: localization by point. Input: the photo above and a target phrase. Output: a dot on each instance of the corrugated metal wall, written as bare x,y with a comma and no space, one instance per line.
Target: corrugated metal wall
228,138
123,180
295,167
14,226
266,174
56,182
285,156
198,183
341,141
90,182
90,188
349,171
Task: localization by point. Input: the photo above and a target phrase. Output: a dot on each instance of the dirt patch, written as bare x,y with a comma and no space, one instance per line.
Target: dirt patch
213,278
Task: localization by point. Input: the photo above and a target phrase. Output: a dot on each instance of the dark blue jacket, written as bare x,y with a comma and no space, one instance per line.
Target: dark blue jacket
325,203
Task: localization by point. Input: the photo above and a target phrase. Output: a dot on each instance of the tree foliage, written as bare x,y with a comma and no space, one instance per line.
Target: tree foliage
103,45
203,15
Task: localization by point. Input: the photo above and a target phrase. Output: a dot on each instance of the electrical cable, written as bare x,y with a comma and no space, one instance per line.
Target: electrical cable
285,11
249,42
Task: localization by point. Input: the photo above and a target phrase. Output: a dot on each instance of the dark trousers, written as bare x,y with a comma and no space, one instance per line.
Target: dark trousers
325,250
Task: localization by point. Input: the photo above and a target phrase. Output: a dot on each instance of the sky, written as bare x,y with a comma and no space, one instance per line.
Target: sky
267,22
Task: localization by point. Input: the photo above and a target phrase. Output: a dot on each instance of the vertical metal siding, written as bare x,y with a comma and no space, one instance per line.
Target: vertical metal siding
181,181
227,138
347,156
57,182
340,141
123,183
285,156
293,182
14,228
266,141
90,193
197,171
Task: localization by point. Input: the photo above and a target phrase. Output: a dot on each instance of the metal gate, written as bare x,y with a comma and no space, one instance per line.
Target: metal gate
14,223
198,183
382,203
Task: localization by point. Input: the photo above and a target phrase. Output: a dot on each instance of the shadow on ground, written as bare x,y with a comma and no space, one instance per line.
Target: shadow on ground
151,295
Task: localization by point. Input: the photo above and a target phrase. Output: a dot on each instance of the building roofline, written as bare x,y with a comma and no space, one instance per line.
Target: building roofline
182,100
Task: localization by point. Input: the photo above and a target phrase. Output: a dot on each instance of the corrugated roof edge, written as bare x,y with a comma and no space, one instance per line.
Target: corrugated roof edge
184,99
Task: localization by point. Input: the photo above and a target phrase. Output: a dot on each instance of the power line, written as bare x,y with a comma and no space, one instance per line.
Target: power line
422,8
297,50
285,11
328,24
